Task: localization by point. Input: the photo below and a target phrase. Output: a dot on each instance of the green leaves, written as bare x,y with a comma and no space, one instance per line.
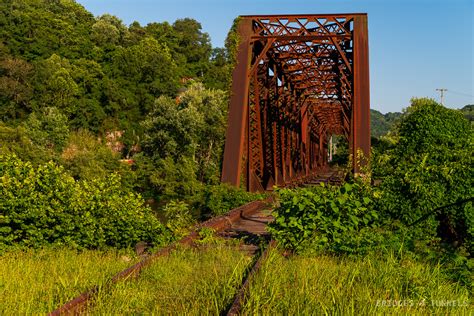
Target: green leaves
430,166
221,198
44,205
185,141
178,218
323,217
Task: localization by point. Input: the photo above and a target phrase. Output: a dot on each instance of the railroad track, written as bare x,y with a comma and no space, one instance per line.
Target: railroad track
247,223
221,224
333,177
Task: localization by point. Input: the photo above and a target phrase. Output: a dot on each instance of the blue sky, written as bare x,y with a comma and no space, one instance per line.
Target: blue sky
415,46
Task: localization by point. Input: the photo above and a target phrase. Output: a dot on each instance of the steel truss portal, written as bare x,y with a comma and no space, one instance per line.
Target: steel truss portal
298,79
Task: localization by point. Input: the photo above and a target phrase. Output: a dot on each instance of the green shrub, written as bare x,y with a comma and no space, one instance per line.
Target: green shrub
219,199
178,218
325,218
429,167
44,205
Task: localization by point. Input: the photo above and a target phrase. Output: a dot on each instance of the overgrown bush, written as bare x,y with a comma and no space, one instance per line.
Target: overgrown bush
431,166
219,199
44,205
326,217
178,218
425,196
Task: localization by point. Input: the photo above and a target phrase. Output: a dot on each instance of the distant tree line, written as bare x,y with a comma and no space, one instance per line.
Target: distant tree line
381,124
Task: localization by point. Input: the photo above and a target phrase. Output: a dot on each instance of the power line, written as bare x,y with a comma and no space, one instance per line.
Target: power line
461,93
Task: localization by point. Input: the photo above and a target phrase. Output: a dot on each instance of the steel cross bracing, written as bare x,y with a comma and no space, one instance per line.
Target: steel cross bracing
298,79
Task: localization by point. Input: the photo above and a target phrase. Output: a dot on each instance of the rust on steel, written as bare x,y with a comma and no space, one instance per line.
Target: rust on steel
239,300
298,79
79,304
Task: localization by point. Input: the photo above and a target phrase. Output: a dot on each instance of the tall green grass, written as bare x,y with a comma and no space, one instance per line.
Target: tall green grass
204,280
38,281
328,285
187,282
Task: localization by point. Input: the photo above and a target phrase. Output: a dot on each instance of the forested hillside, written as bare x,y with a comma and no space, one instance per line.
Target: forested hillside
102,74
85,97
381,124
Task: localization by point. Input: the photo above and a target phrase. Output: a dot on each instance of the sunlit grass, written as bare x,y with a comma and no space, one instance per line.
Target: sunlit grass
188,282
38,281
326,285
204,280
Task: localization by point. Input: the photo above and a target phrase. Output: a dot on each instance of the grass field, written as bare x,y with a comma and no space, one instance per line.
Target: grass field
38,281
326,285
188,282
204,280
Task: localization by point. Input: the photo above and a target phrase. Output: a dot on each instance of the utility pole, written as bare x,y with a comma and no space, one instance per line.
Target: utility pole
442,91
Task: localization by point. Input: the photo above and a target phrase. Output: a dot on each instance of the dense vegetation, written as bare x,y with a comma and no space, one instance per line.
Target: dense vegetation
96,117
45,205
381,124
423,205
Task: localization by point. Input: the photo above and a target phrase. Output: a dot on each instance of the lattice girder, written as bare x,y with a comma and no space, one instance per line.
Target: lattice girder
299,79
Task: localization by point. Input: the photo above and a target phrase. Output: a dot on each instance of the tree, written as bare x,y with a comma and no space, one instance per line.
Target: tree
431,166
212,105
48,128
188,136
171,130
135,33
194,45
15,87
147,70
104,32
218,73
55,84
37,29
194,128
89,77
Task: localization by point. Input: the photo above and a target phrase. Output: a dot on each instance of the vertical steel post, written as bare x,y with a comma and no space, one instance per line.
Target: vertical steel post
360,129
238,110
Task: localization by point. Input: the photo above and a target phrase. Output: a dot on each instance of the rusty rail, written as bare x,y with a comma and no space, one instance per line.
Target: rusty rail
78,305
239,300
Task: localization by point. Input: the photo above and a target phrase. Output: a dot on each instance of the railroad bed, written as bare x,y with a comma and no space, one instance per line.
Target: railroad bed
194,276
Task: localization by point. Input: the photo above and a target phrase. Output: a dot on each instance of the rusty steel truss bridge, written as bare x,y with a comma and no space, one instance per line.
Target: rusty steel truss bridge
298,79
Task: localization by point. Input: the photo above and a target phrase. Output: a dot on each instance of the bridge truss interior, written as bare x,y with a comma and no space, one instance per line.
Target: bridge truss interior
298,80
